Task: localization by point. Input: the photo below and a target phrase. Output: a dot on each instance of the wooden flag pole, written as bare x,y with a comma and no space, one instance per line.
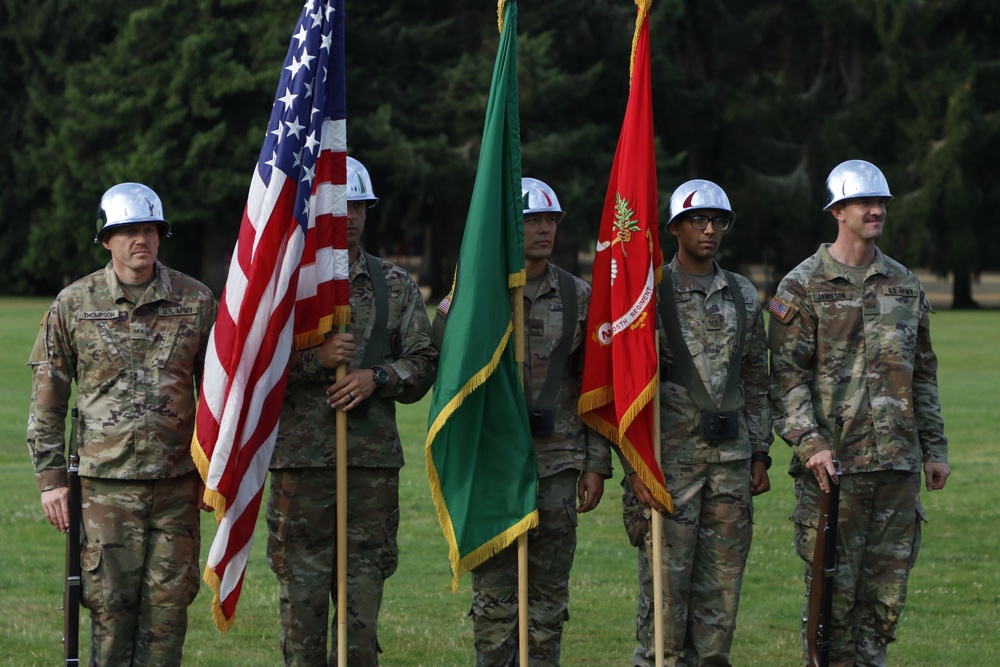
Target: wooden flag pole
522,539
341,528
657,523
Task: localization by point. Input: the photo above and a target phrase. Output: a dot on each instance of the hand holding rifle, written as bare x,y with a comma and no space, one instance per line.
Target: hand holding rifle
826,467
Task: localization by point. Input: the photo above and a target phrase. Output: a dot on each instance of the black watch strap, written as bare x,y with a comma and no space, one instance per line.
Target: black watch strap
763,458
381,377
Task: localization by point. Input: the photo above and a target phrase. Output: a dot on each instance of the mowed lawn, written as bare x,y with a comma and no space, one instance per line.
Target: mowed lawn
952,618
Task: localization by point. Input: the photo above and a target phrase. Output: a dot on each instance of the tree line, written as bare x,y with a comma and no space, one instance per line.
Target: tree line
763,97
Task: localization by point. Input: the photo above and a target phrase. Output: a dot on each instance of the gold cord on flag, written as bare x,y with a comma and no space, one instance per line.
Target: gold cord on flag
643,6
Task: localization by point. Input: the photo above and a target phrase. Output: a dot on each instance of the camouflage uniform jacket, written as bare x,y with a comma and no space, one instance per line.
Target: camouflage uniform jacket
307,435
135,367
859,351
710,328
572,445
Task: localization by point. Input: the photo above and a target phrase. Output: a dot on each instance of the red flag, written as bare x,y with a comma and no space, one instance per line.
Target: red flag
620,361
287,285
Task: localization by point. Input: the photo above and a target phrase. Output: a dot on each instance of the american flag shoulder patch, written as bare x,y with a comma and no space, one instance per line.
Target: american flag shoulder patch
444,305
780,308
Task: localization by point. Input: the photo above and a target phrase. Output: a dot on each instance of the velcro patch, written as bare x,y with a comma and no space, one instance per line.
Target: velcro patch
167,311
821,297
781,309
99,315
900,291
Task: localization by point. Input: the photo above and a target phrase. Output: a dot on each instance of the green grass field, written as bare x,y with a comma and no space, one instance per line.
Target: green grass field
952,616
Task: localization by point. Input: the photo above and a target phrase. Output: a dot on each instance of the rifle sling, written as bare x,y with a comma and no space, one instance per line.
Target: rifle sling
557,362
683,364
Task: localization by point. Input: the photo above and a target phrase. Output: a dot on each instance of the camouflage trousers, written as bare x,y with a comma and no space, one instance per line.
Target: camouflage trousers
878,537
706,541
141,542
302,552
551,547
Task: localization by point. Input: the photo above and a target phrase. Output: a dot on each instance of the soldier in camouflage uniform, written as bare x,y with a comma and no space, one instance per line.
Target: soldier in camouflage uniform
133,337
850,340
711,476
301,512
573,461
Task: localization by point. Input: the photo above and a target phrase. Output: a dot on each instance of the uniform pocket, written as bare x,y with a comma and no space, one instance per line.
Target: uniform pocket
389,553
101,360
90,563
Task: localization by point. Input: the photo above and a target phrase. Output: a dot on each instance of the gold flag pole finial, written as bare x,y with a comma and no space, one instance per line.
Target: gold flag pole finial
643,6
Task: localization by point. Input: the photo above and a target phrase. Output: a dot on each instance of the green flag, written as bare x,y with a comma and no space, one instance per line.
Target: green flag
480,457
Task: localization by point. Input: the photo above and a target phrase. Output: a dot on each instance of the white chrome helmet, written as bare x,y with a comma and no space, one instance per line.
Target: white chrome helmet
538,197
128,204
855,178
359,183
696,194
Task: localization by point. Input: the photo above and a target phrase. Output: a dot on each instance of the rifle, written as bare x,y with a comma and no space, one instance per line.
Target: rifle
824,566
71,592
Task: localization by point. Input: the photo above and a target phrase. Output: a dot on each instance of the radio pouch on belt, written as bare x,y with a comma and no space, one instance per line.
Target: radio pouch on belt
541,414
718,422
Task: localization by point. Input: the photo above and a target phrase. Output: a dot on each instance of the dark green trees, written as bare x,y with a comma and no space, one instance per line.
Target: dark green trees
764,97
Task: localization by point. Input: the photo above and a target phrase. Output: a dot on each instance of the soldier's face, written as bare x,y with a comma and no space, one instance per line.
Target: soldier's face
357,213
701,244
133,248
862,218
539,235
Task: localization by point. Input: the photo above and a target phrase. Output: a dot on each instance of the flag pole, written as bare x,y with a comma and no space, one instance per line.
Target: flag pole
657,522
522,539
341,526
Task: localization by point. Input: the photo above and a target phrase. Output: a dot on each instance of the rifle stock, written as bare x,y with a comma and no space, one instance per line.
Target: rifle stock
72,590
824,566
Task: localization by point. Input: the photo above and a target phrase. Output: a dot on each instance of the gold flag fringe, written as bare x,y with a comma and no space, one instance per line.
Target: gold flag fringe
341,317
500,5
643,6
459,565
491,548
221,622
600,397
201,462
518,279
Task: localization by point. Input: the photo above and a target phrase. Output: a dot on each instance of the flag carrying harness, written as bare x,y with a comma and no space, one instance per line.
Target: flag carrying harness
718,421
541,416
379,345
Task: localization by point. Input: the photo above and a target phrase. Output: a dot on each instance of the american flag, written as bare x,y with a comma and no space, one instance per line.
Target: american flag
287,286
778,308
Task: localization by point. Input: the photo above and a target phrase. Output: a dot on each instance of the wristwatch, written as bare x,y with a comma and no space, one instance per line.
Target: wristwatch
381,377
763,458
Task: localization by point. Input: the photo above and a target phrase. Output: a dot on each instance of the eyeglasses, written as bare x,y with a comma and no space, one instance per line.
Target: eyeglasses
720,222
